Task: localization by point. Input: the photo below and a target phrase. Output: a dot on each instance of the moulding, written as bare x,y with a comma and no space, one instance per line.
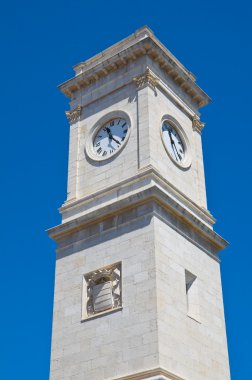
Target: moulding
143,43
147,174
94,316
153,81
89,149
194,230
187,161
151,374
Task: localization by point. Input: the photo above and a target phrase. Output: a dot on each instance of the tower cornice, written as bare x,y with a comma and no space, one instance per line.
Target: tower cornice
124,188
141,43
163,206
126,211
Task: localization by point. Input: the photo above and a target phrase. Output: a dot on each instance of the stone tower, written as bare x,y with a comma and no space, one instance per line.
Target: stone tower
137,291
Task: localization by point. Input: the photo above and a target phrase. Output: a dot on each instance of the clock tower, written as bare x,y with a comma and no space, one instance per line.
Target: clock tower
137,290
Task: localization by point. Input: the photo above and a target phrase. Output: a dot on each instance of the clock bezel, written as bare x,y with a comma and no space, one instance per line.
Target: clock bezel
89,147
187,160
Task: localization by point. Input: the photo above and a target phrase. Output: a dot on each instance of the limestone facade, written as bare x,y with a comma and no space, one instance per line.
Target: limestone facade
139,211
146,107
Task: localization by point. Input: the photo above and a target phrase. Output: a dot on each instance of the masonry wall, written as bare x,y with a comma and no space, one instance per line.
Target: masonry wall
116,92
145,108
154,328
191,348
94,175
191,181
115,344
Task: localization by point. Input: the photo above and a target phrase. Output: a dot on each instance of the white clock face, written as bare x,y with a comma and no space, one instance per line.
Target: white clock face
173,142
110,138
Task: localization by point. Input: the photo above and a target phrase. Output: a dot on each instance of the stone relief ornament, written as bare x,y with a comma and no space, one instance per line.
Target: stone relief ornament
146,79
197,124
103,289
74,115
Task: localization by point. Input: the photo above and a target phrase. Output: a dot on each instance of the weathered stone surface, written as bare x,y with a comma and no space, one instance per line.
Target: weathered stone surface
142,211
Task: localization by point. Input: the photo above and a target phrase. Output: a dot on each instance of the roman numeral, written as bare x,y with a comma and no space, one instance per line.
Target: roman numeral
98,144
123,138
125,131
104,153
124,125
99,150
111,151
119,121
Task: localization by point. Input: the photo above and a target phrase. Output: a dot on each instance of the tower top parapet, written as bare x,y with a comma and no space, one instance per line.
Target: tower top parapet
141,43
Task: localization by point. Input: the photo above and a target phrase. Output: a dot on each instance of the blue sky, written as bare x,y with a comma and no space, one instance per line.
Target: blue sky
40,42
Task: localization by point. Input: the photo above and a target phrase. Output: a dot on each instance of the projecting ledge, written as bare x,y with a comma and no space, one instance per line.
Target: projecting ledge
152,374
147,203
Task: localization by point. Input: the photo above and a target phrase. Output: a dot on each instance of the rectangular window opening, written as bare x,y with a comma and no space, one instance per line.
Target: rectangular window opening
191,284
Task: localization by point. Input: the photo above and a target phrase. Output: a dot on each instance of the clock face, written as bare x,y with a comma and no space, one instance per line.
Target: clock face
110,138
173,142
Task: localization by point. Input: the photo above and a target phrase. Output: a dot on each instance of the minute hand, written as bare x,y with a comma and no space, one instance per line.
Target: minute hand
173,145
118,142
179,156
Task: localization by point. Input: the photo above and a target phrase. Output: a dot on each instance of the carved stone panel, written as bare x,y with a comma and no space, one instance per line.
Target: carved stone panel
103,287
102,296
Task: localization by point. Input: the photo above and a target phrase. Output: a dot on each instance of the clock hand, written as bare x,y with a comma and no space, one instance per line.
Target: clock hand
108,132
170,135
118,142
111,136
179,156
172,144
174,150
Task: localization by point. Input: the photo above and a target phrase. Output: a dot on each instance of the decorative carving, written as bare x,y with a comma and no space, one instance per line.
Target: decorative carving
103,289
74,115
197,124
146,79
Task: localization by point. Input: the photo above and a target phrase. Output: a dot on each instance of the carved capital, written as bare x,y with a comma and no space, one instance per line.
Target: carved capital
74,115
146,79
197,124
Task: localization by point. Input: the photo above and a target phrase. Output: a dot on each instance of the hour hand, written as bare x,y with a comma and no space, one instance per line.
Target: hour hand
108,132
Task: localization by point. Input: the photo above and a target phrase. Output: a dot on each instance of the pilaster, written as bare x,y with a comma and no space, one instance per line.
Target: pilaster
146,88
197,127
73,117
